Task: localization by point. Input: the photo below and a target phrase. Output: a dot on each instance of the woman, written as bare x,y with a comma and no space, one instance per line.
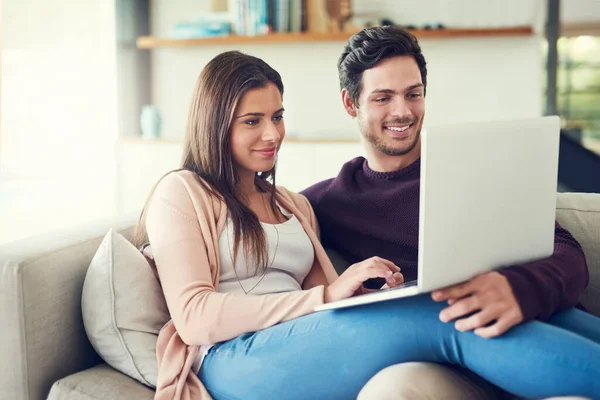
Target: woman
242,269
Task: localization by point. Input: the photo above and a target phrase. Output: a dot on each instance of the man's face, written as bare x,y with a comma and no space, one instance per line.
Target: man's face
391,106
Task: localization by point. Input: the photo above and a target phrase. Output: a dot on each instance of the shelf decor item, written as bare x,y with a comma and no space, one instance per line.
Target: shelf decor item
150,122
339,12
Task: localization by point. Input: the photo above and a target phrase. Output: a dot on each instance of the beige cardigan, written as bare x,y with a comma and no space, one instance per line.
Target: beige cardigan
184,223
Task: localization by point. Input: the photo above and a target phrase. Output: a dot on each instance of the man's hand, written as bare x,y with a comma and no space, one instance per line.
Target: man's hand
490,301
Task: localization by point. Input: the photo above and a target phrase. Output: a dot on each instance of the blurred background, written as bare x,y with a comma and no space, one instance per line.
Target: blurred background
95,93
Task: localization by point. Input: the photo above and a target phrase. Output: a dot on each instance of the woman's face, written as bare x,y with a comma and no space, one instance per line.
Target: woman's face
257,130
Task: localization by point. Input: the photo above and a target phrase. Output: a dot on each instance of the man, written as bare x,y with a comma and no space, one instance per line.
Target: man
372,207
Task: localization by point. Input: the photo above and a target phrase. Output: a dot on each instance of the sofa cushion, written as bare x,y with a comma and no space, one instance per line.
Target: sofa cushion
99,383
123,308
579,213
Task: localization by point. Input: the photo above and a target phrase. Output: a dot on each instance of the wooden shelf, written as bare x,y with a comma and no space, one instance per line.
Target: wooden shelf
149,42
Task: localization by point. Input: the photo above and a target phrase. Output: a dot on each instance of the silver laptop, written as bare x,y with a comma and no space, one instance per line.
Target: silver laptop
488,200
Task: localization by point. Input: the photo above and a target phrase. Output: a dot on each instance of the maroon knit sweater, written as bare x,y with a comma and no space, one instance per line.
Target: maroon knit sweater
363,213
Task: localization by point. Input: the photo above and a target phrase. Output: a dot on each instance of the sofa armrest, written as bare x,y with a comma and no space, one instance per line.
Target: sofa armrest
43,338
579,213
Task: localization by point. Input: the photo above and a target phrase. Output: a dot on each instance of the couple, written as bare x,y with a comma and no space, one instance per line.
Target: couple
242,264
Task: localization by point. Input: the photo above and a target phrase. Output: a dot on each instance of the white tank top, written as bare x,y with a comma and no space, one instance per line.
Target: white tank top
291,256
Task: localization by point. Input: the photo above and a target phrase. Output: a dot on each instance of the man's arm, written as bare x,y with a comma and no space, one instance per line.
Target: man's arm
501,299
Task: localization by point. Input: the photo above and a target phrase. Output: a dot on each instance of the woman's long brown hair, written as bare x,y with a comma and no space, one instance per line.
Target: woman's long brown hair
207,149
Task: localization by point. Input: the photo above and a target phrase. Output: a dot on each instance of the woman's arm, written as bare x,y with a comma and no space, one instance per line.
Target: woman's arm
316,277
181,228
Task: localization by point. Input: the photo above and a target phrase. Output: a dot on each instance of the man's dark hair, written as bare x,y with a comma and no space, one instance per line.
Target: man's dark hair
370,46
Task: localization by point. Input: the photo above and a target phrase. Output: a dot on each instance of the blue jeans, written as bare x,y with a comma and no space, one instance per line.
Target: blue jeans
332,354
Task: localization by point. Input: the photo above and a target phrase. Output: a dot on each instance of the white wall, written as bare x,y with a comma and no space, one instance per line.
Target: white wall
58,124
579,11
58,82
469,79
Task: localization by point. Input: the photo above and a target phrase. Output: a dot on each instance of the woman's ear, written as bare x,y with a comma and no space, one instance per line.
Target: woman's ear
348,103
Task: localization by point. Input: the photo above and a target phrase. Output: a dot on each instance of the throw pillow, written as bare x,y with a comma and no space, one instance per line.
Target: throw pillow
124,308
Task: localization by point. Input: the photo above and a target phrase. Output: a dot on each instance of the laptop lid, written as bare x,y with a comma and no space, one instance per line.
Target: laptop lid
488,197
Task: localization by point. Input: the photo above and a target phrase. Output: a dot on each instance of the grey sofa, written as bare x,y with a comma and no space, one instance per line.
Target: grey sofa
43,346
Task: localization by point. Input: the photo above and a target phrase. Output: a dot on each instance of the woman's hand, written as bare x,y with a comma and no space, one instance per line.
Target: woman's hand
398,277
352,279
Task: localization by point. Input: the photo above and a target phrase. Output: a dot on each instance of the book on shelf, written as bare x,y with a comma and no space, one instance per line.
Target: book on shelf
260,17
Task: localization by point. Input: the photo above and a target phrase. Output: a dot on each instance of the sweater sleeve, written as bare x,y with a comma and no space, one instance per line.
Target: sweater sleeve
555,283
179,235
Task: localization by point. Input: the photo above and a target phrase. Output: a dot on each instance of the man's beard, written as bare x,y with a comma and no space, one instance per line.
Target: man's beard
379,143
